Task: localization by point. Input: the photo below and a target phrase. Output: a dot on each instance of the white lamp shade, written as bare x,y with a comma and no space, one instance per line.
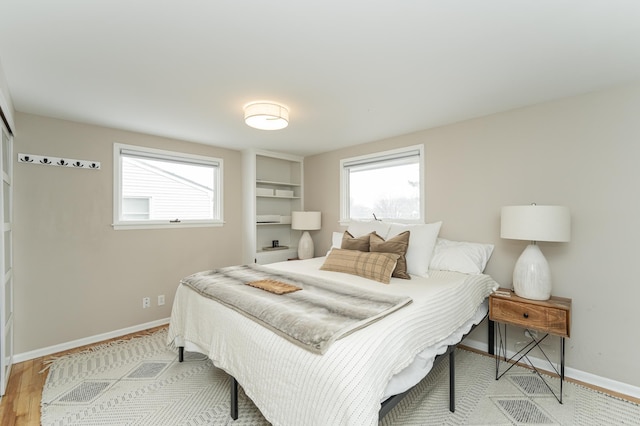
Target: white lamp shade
266,115
306,221
536,223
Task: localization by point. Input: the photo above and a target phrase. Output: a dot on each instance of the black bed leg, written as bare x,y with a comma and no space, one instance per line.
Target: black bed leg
452,381
234,399
180,353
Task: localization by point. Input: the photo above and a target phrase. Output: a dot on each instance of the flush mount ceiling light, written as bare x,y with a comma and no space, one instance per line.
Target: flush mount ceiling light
266,115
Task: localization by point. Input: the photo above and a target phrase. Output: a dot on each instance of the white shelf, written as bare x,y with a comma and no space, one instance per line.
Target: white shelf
271,256
277,196
268,173
271,182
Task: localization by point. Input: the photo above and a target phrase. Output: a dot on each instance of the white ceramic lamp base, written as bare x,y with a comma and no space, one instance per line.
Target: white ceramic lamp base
531,275
305,246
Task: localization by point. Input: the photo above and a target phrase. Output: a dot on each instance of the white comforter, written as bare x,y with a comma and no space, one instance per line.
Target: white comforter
292,386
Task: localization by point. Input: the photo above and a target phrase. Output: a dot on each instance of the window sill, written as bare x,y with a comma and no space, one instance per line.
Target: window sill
164,225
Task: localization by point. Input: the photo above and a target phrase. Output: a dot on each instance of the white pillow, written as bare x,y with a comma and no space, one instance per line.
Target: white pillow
422,240
358,228
336,239
460,256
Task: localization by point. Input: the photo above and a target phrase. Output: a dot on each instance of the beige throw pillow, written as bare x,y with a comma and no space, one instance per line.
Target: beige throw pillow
374,266
349,242
397,245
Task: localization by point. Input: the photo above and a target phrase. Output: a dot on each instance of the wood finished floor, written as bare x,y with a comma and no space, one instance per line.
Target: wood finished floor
20,406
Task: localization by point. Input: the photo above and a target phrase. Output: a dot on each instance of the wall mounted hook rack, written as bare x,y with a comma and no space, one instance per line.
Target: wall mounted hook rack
58,161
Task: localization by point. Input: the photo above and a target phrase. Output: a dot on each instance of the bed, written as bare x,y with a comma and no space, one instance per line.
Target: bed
348,384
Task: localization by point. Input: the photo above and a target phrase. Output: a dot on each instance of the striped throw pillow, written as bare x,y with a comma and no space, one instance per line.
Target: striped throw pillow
374,266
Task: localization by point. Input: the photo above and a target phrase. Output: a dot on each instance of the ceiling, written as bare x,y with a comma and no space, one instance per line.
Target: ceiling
350,71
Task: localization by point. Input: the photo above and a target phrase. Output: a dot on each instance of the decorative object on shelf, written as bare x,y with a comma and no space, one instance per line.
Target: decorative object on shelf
57,161
284,193
264,192
266,115
305,221
268,218
531,275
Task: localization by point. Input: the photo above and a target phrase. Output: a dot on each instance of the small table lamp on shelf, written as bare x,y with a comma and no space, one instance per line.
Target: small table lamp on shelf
305,221
531,275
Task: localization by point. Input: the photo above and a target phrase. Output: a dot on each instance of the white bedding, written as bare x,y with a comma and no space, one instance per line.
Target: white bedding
292,386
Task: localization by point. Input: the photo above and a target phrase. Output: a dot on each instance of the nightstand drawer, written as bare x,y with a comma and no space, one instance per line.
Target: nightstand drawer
536,317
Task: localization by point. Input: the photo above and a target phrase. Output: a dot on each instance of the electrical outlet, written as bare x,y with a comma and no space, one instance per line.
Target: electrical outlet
161,300
146,302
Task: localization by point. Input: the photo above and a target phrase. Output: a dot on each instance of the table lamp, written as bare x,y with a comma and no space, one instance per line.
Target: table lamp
305,221
531,275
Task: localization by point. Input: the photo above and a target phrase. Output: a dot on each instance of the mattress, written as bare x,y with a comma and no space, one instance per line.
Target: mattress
347,384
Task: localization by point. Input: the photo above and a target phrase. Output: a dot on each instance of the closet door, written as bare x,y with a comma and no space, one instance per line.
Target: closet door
6,261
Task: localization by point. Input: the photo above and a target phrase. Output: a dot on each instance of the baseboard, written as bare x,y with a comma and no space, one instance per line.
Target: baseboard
26,356
571,373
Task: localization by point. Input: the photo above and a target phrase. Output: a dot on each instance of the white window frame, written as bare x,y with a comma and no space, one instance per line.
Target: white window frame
119,224
372,159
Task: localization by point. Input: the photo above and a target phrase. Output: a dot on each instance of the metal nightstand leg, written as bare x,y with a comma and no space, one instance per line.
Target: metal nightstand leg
561,366
501,355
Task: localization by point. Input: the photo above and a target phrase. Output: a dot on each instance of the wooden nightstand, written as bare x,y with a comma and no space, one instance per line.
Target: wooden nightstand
552,317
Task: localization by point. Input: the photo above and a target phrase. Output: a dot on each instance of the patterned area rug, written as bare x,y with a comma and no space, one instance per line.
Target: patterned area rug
141,382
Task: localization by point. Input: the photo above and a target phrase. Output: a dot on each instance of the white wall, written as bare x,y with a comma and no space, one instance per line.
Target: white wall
581,152
75,276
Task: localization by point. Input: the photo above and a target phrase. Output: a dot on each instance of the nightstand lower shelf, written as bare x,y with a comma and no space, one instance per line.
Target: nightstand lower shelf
500,339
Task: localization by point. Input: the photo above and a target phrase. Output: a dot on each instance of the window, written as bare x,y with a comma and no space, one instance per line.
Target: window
155,189
388,185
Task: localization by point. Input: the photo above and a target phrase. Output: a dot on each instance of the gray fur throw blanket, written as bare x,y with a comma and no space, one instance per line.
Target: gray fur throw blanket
313,317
